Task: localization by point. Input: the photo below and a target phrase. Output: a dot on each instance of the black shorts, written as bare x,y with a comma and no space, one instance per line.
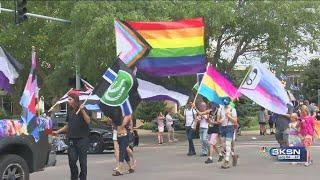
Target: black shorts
262,123
271,124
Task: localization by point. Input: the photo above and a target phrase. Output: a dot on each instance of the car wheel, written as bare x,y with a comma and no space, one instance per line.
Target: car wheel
95,144
13,167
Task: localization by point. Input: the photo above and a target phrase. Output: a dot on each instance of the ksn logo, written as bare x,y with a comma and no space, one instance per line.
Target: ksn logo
289,154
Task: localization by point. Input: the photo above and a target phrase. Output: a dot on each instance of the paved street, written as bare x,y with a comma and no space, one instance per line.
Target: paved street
169,161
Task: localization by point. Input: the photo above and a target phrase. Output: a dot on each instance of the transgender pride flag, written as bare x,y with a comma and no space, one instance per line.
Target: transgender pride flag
262,87
177,47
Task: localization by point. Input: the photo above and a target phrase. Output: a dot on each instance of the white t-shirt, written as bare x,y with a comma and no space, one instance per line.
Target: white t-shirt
169,119
203,121
222,114
190,115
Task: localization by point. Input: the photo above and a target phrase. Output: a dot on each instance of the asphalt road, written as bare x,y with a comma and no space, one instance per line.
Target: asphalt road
169,161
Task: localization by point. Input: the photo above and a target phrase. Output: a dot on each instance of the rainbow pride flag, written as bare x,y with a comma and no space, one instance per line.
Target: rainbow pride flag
129,47
177,47
215,87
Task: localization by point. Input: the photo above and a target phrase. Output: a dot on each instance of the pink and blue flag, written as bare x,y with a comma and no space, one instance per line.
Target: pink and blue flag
215,87
28,100
262,87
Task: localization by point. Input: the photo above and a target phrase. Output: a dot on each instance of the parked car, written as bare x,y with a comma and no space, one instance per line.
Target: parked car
20,155
100,134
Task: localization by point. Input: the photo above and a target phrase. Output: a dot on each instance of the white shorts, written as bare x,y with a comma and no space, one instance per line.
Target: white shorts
169,127
161,128
115,135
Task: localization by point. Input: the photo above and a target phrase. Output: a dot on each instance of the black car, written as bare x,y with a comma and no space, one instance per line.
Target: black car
100,133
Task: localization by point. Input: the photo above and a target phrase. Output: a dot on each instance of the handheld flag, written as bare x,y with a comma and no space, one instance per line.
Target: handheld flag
28,100
118,92
262,87
215,87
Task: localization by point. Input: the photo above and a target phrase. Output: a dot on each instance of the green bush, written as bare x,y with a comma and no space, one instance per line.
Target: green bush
3,114
149,126
148,111
247,112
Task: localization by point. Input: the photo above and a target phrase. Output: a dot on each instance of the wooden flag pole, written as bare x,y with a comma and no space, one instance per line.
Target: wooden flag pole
57,101
200,85
84,102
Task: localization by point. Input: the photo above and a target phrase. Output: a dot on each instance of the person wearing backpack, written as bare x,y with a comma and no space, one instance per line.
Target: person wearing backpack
190,118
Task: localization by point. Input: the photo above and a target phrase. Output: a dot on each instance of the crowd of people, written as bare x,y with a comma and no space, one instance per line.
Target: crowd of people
297,128
217,130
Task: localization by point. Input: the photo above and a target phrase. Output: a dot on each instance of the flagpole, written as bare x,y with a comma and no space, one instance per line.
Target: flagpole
37,93
57,101
194,100
84,102
244,79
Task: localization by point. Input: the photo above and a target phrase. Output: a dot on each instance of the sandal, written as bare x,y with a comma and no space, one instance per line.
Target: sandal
130,171
117,173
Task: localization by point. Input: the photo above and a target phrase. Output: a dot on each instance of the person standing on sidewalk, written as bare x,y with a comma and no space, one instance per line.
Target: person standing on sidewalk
227,116
190,116
169,125
160,122
262,118
77,130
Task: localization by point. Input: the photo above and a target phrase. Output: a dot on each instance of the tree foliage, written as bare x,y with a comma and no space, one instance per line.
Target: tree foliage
234,31
311,80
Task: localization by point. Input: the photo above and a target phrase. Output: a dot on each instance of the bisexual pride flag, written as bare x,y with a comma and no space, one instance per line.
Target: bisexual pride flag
177,47
262,87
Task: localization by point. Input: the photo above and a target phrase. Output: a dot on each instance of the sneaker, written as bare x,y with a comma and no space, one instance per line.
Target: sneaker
235,160
175,140
307,164
220,158
203,155
170,141
208,161
225,165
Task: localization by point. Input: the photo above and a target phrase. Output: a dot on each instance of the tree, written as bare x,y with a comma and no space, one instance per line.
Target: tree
235,31
311,80
148,111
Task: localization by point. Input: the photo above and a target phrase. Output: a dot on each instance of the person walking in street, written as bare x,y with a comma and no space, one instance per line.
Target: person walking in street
123,141
227,117
190,116
77,129
213,134
160,122
307,130
282,127
203,118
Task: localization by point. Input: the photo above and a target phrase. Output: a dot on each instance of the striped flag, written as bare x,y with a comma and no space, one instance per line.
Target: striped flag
177,47
28,101
117,91
9,69
262,87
